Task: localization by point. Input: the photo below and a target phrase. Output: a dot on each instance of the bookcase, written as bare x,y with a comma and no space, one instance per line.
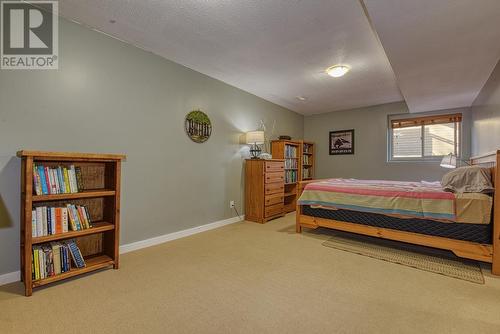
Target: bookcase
292,151
307,162
99,244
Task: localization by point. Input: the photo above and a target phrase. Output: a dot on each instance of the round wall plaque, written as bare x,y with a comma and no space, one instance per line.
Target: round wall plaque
198,126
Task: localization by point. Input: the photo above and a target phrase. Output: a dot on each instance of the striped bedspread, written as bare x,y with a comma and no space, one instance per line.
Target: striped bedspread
407,199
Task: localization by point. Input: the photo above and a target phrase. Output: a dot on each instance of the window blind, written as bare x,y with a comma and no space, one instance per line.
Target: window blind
428,120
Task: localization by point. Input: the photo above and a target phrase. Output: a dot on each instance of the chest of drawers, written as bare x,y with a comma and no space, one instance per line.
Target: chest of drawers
264,189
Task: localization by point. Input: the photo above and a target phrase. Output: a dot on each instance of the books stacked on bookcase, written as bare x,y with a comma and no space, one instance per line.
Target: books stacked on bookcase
290,151
55,258
55,220
306,173
307,148
290,176
305,160
57,180
290,163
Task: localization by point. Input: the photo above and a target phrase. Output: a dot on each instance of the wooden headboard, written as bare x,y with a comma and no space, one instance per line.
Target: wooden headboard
492,160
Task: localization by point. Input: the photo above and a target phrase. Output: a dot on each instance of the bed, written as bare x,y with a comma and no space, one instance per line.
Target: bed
414,212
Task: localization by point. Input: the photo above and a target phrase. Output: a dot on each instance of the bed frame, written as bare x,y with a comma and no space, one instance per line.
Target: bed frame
465,249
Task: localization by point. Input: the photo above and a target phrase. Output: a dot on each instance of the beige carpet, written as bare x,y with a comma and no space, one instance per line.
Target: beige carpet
401,253
252,278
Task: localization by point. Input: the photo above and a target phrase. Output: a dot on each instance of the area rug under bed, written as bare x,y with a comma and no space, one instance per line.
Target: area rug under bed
404,255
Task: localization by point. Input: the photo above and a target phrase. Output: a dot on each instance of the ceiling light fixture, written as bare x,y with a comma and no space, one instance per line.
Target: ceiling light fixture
337,70
301,98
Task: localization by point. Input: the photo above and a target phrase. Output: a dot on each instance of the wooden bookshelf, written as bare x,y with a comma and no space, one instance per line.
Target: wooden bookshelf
307,161
92,263
99,244
83,194
294,163
98,227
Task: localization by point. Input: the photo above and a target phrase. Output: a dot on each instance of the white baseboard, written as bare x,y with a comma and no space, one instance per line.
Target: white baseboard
16,275
10,277
176,235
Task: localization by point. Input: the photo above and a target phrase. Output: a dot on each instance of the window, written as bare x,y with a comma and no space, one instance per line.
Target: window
425,138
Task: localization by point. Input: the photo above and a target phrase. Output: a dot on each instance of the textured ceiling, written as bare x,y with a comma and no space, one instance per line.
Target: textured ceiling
439,53
277,50
442,52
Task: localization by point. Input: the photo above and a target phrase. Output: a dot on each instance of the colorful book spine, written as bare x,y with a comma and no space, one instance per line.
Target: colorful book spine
72,219
87,214
37,181
56,180
60,178
58,219
48,221
64,219
82,216
75,214
56,251
47,180
44,220
66,180
41,263
79,178
41,173
36,260
39,222
76,255
53,220
34,232
72,179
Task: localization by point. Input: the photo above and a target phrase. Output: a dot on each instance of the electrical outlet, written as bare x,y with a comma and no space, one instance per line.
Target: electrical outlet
231,204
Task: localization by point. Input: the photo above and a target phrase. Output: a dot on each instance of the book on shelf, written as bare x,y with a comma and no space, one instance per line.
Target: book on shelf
290,163
290,151
290,176
54,258
307,148
305,160
56,220
57,180
76,255
306,173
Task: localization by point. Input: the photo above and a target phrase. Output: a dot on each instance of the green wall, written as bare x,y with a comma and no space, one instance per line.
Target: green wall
370,158
108,96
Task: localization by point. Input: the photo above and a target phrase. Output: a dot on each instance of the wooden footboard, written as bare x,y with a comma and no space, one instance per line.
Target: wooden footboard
465,249
298,212
492,160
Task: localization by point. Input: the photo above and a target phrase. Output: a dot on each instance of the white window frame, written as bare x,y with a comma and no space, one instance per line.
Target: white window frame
433,159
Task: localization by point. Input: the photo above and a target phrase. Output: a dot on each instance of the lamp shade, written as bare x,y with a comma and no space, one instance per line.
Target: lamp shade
449,161
255,137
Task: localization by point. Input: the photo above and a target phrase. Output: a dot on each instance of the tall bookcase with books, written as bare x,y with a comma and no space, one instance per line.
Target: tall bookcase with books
290,151
307,161
70,215
299,166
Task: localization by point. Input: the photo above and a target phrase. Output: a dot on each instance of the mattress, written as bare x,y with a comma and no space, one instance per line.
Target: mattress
424,200
479,233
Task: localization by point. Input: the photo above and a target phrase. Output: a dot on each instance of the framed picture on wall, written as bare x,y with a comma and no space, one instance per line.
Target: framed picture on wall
342,142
